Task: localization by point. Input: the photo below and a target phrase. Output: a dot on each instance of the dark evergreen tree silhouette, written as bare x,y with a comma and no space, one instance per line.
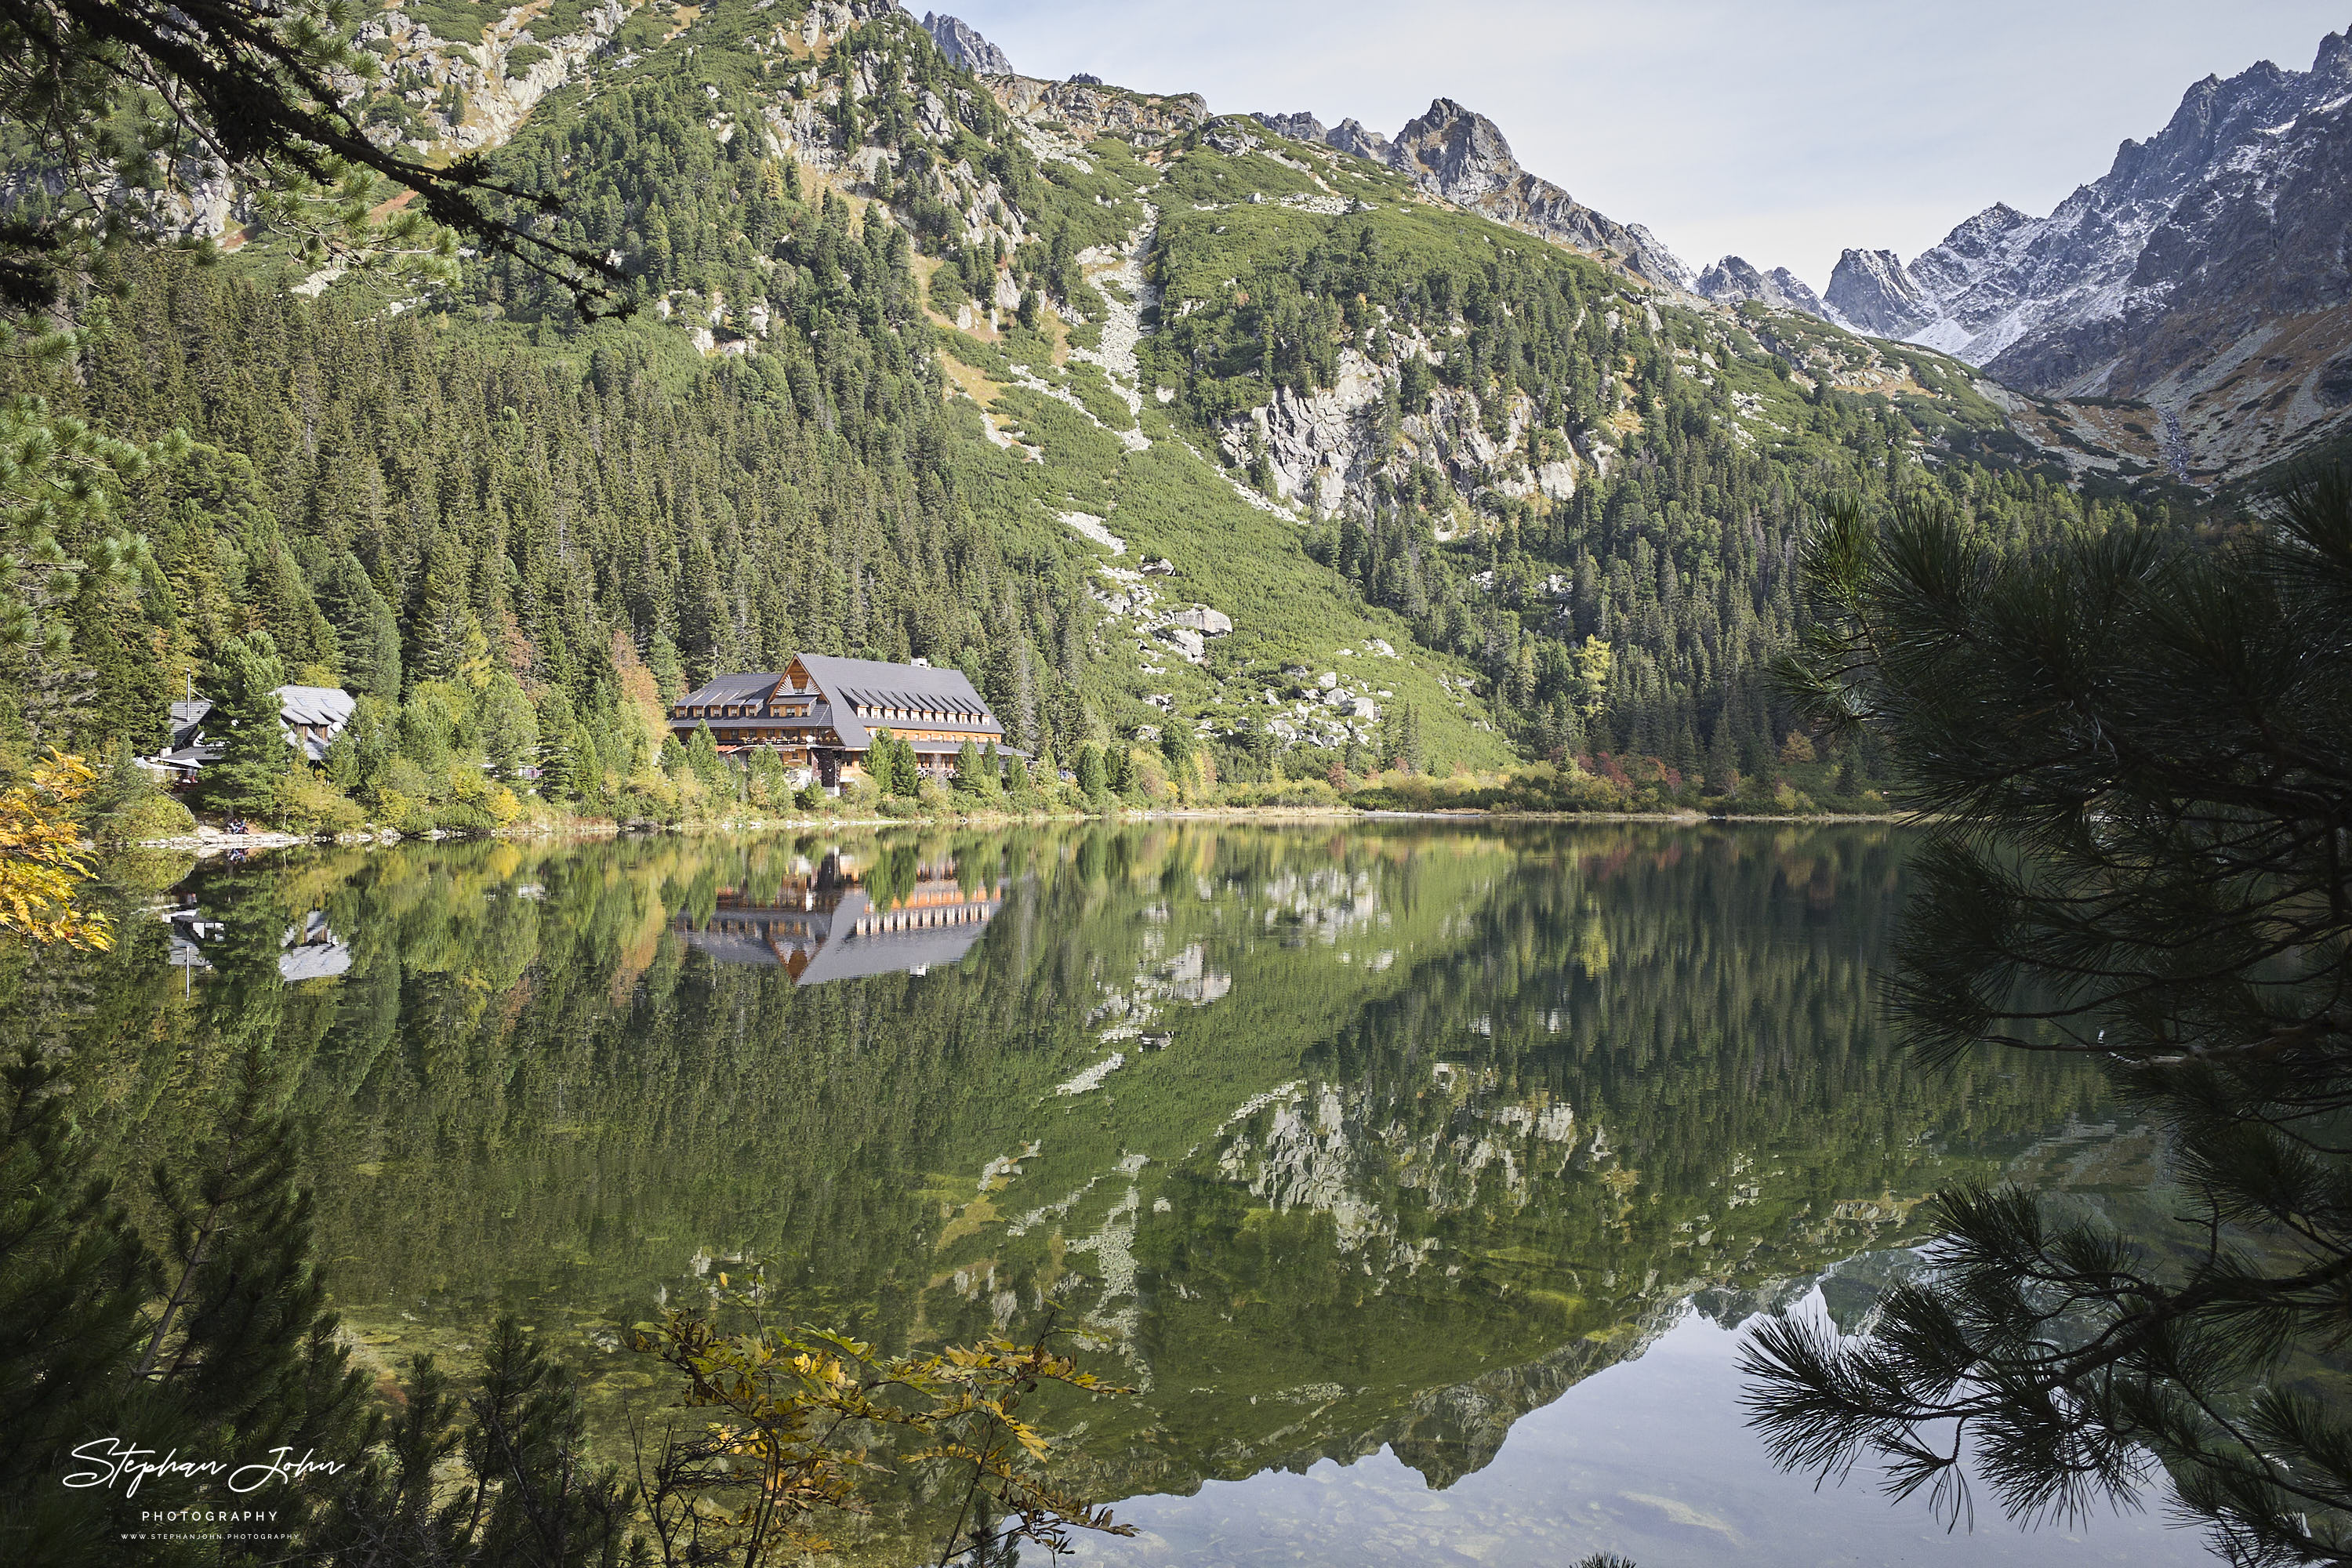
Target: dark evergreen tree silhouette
2142,752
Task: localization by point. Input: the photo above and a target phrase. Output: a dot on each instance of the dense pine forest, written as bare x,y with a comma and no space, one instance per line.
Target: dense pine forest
867,381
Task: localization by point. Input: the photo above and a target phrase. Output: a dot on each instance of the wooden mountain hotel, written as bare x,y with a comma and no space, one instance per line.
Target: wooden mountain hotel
821,713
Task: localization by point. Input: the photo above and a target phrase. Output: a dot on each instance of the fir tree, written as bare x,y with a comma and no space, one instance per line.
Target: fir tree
246,722
74,1278
702,758
967,772
509,727
367,634
544,1503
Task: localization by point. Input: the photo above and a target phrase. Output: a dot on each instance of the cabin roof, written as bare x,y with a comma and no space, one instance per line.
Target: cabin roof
329,705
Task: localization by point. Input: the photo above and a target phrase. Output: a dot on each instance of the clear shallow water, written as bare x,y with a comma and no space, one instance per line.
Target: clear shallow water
1397,1157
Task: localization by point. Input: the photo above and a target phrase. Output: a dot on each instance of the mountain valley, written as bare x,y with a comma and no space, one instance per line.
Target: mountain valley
1050,376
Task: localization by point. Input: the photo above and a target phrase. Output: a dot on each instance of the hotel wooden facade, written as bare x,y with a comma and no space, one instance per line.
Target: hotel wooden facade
821,713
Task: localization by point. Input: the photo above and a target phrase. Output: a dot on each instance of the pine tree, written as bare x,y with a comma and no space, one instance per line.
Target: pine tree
2142,754
559,778
509,727
1177,745
703,759
445,627
527,1444
973,775
367,634
246,722
74,1279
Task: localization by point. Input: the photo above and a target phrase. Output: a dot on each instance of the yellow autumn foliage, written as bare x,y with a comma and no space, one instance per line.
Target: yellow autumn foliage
42,861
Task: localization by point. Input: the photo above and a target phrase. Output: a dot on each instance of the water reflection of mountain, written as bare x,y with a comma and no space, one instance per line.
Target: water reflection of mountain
822,926
1380,1137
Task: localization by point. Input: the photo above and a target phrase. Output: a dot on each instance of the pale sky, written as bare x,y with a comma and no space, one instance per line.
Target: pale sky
1780,133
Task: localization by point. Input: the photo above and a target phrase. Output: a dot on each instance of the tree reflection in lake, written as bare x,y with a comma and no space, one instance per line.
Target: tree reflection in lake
1380,1137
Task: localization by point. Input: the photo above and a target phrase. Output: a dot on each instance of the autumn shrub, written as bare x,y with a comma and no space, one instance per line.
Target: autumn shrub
308,803
1297,793
142,821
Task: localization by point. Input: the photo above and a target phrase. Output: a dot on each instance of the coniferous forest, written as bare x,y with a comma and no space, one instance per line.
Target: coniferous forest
853,402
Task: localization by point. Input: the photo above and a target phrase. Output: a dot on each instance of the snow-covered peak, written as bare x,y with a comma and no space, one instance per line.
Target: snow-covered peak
2002,281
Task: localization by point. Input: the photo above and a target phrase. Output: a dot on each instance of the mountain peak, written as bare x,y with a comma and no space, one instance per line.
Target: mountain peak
1733,281
1299,127
1875,292
1457,150
1456,153
2167,277
2334,56
1350,137
962,44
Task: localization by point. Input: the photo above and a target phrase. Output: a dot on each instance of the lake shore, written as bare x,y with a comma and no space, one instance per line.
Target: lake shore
208,841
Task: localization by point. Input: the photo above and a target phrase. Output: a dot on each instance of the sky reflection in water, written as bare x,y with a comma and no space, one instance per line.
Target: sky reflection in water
1650,1459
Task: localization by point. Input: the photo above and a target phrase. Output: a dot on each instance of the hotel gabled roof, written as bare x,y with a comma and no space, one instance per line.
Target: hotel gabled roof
864,682
743,687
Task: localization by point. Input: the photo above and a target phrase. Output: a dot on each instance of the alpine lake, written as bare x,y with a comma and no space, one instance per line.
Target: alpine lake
1420,1176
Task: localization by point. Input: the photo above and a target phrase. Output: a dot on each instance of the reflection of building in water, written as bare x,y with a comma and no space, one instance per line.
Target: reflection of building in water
309,950
837,922
190,932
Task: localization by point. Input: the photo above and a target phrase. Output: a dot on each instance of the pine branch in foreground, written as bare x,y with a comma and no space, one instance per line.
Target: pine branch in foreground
2140,752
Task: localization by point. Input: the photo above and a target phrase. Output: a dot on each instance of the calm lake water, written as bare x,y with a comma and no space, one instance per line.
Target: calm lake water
1428,1173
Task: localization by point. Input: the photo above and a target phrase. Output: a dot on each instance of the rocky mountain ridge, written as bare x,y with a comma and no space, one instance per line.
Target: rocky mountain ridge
964,46
1462,156
2205,273
1734,281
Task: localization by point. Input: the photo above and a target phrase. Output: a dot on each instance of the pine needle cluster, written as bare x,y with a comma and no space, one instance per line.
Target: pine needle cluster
2141,751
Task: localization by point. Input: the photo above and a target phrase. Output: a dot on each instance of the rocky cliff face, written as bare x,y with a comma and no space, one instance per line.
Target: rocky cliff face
1088,108
1302,126
2206,272
1461,155
1733,281
1872,292
1350,137
964,46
